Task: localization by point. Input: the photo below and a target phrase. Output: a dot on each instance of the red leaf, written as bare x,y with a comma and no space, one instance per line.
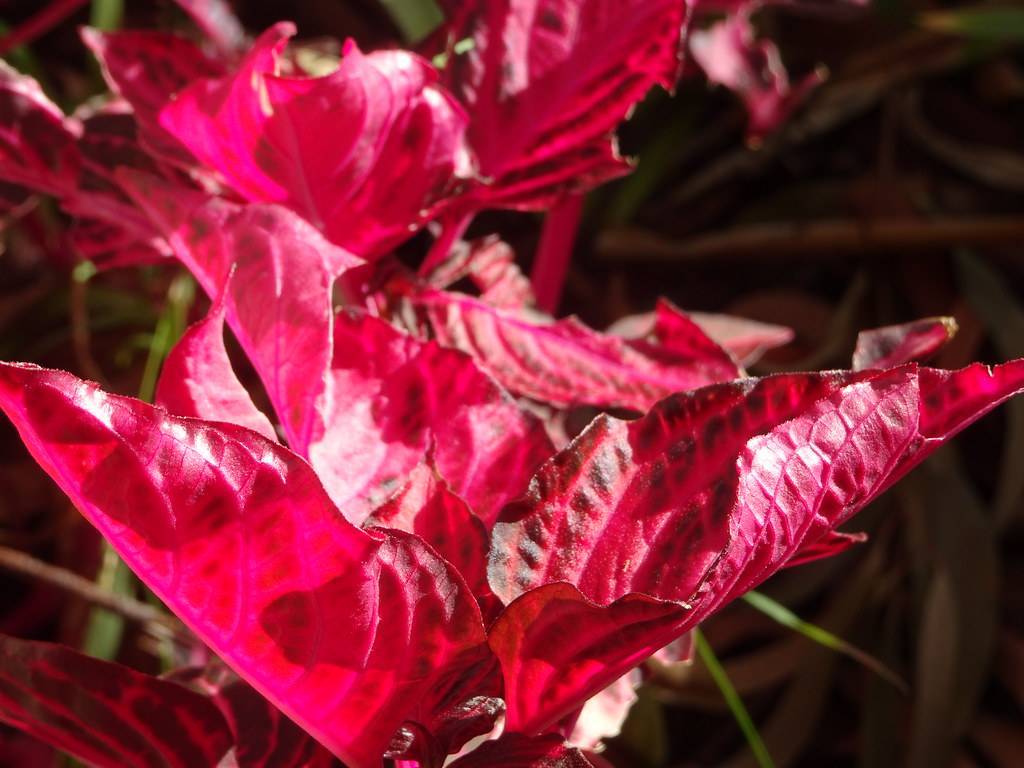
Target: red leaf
404,398
148,69
428,508
713,491
604,713
829,545
896,344
730,55
197,379
565,363
513,750
362,153
343,630
548,81
104,713
38,145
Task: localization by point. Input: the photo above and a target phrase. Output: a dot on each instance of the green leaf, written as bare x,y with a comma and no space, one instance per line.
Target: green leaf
989,24
785,617
415,19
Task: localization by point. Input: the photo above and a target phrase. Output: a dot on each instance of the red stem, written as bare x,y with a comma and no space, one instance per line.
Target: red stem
452,228
554,252
39,24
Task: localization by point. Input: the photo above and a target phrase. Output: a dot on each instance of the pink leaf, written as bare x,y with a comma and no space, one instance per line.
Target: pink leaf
279,301
341,629
829,545
38,144
104,713
404,397
731,56
197,378
565,363
605,712
148,69
428,508
491,264
745,340
362,153
547,82
713,491
514,750
897,344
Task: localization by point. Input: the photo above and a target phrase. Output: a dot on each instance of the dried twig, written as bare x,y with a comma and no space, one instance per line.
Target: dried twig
19,562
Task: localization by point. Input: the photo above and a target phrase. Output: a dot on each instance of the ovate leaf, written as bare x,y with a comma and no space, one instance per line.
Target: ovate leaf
341,629
565,363
363,153
704,498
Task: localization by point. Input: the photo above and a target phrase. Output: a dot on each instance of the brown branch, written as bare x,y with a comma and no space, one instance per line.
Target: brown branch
825,239
19,562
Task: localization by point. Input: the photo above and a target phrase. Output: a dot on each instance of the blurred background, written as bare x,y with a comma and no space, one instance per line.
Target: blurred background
894,190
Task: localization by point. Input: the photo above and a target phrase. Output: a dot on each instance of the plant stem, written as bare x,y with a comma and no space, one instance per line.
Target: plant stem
39,24
555,251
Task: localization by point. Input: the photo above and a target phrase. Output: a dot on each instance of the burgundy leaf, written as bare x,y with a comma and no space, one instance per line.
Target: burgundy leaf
38,144
565,363
896,344
263,736
677,339
428,508
547,82
148,69
218,23
513,750
404,398
104,713
197,378
279,301
709,494
341,629
363,153
730,55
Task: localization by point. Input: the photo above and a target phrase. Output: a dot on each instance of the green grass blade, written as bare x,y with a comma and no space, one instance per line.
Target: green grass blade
733,700
106,14
1000,25
415,19
781,614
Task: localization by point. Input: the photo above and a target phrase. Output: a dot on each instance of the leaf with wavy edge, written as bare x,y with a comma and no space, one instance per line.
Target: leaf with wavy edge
547,83
363,153
197,378
405,398
105,713
217,21
342,629
897,344
491,264
565,363
701,500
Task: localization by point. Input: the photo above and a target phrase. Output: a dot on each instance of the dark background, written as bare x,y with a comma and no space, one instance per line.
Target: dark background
895,193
